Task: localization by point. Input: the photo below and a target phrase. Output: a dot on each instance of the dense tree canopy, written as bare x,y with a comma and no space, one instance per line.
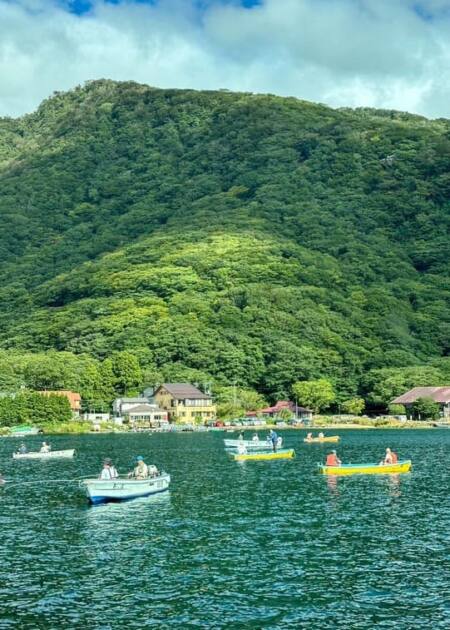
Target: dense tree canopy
221,238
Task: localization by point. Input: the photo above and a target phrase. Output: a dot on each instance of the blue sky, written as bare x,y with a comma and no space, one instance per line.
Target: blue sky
80,7
381,53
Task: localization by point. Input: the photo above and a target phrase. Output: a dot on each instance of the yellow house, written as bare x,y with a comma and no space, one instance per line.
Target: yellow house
184,402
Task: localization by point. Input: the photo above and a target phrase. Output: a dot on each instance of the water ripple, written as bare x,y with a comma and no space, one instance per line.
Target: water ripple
259,545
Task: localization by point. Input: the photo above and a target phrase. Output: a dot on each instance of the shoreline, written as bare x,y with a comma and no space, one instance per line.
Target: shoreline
327,428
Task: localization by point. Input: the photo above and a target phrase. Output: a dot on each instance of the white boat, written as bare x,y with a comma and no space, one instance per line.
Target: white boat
45,455
122,489
255,445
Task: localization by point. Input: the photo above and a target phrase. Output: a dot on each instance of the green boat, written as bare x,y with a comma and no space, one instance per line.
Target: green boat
23,430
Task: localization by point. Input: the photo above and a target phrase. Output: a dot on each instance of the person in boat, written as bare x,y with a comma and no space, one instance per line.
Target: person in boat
332,459
255,438
241,436
45,448
140,470
153,471
309,437
109,471
389,458
23,449
273,438
241,449
321,435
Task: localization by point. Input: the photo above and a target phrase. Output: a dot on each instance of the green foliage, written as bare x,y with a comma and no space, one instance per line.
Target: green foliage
218,238
383,385
314,395
126,371
71,426
425,409
397,410
234,402
285,414
33,408
354,406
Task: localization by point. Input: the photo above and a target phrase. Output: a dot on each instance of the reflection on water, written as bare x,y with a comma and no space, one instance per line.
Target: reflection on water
120,510
394,486
332,483
231,546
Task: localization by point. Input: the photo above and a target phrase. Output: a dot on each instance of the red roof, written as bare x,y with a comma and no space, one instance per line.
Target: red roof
279,406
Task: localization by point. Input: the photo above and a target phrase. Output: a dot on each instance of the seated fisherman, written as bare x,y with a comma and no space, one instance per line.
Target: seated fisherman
332,459
141,469
241,449
389,458
109,471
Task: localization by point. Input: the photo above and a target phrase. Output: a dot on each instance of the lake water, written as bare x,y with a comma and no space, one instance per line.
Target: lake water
252,545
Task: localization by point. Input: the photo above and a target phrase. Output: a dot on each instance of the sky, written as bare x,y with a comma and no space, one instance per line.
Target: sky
392,54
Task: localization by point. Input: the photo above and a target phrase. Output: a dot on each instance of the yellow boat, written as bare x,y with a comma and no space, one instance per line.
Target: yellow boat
283,454
366,469
329,438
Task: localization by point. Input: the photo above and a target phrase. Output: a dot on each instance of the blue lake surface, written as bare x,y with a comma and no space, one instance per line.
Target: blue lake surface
231,545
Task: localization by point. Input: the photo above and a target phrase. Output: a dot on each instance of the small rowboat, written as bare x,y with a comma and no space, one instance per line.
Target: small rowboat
48,455
101,491
283,454
319,440
366,469
258,445
23,431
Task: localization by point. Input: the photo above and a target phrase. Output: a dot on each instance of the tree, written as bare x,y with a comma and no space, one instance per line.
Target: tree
285,414
387,383
34,407
354,406
234,402
127,371
315,395
425,409
397,410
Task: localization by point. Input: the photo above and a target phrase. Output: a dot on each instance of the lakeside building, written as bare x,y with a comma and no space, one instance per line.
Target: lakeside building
121,406
274,411
147,415
73,397
440,395
184,402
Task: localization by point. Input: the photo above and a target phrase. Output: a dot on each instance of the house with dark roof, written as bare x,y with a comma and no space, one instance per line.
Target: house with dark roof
440,395
185,403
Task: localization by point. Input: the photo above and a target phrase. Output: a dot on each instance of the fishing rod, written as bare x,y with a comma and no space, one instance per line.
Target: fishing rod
9,483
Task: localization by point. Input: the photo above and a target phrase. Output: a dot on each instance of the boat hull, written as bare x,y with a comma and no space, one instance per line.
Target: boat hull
316,440
102,491
286,454
261,445
366,469
66,454
23,434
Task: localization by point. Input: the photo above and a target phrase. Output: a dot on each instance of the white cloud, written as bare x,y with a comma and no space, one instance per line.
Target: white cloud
380,53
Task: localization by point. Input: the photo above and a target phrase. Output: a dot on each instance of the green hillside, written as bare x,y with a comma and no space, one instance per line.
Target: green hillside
221,237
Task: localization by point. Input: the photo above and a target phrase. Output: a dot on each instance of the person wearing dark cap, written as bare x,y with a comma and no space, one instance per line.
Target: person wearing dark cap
109,471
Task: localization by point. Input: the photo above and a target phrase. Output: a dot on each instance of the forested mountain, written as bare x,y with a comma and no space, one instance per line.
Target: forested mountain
222,237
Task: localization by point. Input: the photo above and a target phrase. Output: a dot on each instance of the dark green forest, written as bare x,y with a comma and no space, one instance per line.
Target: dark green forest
225,238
